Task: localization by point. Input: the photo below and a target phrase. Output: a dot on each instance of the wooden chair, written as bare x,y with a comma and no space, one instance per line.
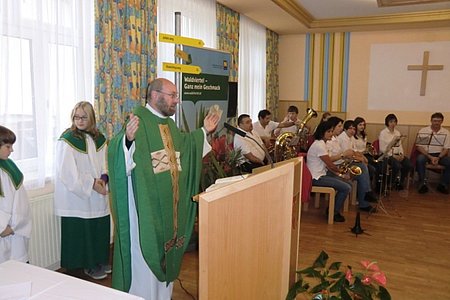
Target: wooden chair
331,192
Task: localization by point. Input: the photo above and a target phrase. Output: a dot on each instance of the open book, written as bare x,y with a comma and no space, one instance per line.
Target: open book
221,182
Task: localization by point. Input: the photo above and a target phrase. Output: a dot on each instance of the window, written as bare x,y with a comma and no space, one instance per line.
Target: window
46,66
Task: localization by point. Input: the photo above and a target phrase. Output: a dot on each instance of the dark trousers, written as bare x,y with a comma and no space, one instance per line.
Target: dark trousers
421,162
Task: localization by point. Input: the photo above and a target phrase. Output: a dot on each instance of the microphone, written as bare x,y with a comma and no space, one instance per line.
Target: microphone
244,134
235,130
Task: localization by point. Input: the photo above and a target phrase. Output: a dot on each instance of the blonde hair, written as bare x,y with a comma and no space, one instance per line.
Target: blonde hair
92,126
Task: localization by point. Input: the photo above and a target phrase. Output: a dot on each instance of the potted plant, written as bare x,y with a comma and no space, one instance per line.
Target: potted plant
222,161
321,282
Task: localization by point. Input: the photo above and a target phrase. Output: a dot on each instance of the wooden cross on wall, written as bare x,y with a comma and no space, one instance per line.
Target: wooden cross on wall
424,67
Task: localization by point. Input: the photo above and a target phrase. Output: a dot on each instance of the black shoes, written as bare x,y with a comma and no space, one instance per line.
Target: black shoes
368,209
423,189
399,187
338,218
441,188
371,197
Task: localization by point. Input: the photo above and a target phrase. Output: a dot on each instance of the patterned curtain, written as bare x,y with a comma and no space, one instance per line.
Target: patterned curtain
228,36
125,58
272,88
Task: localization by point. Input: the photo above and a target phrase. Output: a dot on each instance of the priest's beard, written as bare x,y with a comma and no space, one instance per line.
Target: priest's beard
164,108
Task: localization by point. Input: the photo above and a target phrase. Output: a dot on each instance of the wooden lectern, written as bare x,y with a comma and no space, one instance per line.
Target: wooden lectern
245,237
296,211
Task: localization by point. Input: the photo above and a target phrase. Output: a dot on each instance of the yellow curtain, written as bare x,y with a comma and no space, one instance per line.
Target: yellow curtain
272,86
228,36
125,59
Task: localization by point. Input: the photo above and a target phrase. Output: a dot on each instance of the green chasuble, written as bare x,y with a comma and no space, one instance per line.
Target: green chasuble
166,176
10,168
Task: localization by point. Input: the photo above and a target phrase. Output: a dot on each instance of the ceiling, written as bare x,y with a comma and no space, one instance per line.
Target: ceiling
301,16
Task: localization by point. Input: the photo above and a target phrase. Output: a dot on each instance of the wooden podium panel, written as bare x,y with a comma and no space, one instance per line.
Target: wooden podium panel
296,212
245,237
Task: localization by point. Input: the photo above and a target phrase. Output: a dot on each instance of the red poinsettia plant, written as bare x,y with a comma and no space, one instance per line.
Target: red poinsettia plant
333,283
222,161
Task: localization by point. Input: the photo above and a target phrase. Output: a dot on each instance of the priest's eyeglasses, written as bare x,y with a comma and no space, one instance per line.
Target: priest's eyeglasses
172,95
78,118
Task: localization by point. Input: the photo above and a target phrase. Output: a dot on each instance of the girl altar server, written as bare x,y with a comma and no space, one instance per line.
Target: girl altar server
15,216
80,189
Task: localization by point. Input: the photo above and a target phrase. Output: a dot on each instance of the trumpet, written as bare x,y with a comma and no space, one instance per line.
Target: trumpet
349,167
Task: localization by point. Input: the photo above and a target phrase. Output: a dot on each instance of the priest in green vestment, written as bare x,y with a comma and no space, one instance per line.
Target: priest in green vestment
154,171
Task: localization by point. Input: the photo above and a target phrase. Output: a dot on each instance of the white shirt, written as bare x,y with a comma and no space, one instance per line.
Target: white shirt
248,145
345,141
75,174
293,129
265,131
360,144
436,139
315,164
15,212
386,137
334,148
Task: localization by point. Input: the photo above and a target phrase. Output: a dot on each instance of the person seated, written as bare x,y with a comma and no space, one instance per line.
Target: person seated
347,140
363,146
435,153
252,147
292,116
264,127
323,171
395,154
360,135
339,155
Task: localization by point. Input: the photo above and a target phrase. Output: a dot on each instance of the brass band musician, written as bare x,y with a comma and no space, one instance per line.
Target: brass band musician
391,138
264,127
337,155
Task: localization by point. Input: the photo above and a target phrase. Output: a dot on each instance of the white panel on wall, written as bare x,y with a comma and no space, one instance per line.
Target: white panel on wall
392,86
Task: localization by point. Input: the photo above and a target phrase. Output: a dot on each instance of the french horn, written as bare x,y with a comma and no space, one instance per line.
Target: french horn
348,167
288,144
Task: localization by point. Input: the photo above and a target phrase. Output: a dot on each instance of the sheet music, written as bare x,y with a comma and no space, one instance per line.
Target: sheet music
431,139
438,139
432,142
423,139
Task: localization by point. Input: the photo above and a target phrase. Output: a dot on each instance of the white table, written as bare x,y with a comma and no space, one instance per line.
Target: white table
49,285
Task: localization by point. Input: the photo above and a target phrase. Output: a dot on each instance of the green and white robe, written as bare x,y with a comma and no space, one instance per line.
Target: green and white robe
152,185
85,220
15,212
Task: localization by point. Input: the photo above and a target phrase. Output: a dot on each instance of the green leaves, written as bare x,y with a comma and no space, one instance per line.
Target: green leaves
383,294
296,289
321,260
330,283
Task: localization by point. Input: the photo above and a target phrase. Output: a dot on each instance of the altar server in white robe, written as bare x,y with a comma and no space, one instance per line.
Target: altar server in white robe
15,216
80,195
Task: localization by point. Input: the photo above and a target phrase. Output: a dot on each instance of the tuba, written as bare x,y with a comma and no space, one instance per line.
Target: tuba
288,144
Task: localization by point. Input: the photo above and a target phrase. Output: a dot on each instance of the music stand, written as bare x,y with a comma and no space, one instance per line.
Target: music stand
431,139
389,149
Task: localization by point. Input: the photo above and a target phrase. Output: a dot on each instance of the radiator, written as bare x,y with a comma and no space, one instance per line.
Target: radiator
45,242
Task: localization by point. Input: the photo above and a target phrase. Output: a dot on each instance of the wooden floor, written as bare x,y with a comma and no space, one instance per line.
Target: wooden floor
411,245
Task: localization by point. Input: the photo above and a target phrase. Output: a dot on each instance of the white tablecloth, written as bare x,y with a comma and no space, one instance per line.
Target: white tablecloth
50,285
